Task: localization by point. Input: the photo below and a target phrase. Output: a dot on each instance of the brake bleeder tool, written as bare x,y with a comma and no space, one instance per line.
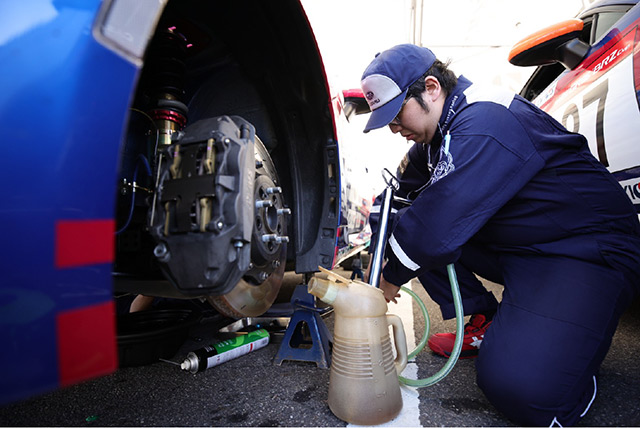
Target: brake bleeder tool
388,197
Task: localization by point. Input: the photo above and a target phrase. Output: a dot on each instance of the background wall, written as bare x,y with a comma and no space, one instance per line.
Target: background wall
475,35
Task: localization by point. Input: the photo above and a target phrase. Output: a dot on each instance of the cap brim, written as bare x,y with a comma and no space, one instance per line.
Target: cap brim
383,115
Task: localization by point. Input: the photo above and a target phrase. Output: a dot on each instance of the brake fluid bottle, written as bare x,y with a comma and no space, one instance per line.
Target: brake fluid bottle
363,382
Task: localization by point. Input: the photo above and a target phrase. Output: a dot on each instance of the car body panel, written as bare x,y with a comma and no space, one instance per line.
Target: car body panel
600,98
607,77
66,98
58,240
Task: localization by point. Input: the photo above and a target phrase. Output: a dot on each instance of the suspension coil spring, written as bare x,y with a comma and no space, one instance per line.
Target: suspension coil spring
164,82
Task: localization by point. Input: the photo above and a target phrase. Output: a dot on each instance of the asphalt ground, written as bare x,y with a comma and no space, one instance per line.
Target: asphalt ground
251,391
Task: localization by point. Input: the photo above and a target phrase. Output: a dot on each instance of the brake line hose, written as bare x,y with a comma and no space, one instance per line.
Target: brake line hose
457,345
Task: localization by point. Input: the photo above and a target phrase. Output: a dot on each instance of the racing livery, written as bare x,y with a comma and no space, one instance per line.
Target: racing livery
172,148
599,95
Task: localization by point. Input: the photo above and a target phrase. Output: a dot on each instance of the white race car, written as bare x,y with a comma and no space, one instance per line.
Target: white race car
588,78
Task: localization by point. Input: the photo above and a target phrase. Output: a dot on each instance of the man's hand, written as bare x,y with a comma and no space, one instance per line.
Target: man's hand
391,291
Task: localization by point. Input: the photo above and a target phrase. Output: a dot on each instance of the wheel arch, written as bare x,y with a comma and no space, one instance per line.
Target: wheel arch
259,60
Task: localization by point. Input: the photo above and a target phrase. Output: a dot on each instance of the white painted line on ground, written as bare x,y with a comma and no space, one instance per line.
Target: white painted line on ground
410,414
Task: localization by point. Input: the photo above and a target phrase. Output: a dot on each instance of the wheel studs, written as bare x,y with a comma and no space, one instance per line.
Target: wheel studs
271,237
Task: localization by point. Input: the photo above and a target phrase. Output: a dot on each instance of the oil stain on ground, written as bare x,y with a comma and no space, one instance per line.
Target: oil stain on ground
304,395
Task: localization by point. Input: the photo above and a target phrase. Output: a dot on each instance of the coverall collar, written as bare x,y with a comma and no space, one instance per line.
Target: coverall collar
452,102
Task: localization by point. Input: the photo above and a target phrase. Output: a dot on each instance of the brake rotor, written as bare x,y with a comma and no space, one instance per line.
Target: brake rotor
248,300
255,293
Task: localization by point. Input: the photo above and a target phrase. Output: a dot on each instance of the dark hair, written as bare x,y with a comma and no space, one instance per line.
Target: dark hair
440,71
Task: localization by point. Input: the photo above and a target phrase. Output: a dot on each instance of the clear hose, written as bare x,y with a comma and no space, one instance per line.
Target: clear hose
457,345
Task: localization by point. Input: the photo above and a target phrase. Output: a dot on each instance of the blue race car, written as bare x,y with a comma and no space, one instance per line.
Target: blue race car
175,148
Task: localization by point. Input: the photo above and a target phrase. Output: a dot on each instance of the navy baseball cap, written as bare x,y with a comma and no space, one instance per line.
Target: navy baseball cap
386,80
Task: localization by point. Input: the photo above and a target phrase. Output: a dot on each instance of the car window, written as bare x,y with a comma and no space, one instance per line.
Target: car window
540,79
604,22
585,36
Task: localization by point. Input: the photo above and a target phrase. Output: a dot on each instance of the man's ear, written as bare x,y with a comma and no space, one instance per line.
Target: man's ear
432,87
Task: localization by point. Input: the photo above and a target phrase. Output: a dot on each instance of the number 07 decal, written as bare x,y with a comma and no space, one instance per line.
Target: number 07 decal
599,93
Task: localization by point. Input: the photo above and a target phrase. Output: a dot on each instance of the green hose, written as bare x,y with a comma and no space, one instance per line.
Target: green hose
457,345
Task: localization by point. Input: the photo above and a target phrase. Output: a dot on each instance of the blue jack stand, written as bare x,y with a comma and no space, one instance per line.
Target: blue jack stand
295,346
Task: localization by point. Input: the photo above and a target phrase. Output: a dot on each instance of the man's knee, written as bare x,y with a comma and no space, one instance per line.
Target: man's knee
531,394
513,392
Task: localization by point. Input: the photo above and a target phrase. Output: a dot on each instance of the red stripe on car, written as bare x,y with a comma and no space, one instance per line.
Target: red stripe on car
84,242
86,342
574,82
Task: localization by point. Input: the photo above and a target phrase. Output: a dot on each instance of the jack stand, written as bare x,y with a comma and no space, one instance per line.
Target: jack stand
295,346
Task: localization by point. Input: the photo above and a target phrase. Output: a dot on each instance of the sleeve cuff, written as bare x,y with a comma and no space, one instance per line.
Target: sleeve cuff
395,272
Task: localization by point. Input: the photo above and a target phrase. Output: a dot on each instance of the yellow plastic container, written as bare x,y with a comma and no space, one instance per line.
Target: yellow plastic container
363,382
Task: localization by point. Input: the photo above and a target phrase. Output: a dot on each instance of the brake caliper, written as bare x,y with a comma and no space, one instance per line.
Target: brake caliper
203,211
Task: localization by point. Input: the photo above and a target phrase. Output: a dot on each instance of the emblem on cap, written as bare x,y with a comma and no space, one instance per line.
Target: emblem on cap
379,90
370,98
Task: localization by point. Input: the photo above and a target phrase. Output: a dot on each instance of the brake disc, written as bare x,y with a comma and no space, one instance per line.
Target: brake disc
248,300
257,290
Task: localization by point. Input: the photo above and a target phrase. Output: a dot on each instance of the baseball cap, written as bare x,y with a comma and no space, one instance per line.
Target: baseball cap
386,80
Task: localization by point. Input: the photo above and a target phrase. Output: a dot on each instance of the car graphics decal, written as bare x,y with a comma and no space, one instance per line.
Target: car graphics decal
599,99
602,61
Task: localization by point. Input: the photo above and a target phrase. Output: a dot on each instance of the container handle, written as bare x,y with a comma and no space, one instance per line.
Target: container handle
400,340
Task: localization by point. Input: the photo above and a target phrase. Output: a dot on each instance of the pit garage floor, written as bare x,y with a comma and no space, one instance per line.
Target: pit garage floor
252,391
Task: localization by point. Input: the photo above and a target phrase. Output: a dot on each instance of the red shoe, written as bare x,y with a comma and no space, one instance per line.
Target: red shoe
474,330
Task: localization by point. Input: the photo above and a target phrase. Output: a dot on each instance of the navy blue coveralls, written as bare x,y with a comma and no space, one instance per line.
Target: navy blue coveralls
515,198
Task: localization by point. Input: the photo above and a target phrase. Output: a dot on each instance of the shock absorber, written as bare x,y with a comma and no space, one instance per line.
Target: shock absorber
165,84
163,91
161,100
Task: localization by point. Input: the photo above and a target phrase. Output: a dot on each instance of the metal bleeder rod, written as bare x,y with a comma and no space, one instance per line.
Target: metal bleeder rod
381,240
